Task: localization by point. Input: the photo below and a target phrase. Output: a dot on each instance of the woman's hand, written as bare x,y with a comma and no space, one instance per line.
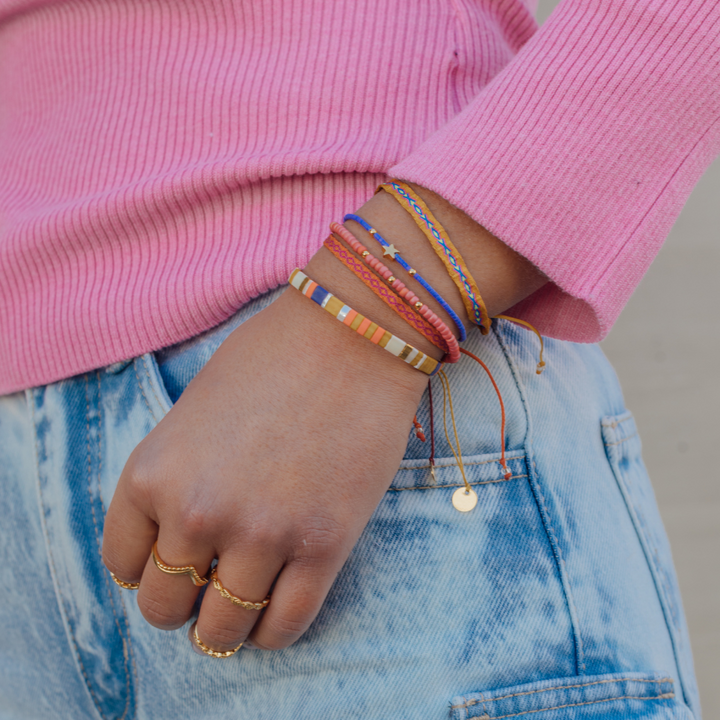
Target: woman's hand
273,460
277,453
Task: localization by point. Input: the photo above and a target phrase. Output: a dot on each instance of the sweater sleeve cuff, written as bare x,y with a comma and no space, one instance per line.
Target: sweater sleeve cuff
582,152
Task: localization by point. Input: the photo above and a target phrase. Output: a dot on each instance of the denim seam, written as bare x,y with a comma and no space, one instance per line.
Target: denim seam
53,569
151,383
645,528
441,487
142,391
482,697
666,696
536,489
615,423
612,681
97,532
650,552
565,580
129,650
663,580
465,464
620,442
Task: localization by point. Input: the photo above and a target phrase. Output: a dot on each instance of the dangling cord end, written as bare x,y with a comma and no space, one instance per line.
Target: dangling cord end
541,365
419,432
464,499
447,400
503,463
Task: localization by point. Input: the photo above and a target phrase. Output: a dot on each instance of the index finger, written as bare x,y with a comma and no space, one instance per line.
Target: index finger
129,532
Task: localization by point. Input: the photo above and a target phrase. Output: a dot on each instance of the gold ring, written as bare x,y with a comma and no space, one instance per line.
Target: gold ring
234,599
197,579
209,651
123,584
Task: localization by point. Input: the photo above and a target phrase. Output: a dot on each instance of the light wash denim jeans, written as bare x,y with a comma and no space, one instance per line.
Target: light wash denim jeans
555,598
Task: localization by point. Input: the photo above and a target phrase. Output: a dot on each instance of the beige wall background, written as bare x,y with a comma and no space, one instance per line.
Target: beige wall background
666,350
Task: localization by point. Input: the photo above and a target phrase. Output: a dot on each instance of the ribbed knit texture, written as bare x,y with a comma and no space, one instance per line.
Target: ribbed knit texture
164,161
582,152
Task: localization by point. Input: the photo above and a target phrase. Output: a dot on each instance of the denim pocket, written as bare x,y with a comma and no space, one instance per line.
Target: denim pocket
432,599
624,452
626,695
152,387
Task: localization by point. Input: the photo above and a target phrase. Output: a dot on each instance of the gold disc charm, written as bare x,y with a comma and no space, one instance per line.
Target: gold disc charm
464,500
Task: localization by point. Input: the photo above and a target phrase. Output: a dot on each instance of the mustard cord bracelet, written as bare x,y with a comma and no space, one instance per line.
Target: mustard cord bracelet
442,245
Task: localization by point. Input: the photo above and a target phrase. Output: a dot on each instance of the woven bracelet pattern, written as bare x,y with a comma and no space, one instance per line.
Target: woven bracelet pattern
444,249
362,325
453,349
375,283
413,273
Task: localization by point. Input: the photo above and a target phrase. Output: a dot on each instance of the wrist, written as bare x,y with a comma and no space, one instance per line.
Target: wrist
504,277
316,340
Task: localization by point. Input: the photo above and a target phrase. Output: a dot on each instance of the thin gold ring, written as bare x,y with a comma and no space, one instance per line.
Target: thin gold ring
123,584
233,598
197,579
209,651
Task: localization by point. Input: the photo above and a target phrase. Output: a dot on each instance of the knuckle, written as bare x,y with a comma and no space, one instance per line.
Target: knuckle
218,636
198,514
195,521
160,615
113,560
280,633
137,475
263,535
320,541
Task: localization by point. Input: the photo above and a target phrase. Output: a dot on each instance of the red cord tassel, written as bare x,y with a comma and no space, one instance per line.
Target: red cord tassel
419,432
503,462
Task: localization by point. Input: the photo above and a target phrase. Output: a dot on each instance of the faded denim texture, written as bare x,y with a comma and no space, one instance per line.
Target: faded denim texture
554,599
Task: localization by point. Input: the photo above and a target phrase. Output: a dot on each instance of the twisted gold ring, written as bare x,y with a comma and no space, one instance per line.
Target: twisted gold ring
234,599
209,651
197,579
123,584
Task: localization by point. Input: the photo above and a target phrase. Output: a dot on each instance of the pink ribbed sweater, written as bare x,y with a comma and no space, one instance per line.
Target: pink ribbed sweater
164,161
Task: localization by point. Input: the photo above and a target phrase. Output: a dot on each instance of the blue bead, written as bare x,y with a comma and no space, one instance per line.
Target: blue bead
435,294
319,294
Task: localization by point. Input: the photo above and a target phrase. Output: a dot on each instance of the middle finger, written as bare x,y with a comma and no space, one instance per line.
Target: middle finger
224,622
165,599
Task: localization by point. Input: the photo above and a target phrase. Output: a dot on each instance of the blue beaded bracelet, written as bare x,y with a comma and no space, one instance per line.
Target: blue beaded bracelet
395,255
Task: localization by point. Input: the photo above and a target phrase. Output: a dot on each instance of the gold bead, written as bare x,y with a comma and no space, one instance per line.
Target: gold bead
366,253
412,272
372,231
418,305
391,279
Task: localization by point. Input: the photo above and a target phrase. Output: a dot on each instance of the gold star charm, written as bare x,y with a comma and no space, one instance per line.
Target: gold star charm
391,251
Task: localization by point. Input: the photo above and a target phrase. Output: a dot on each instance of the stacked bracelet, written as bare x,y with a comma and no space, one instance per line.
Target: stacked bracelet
453,349
445,250
392,252
354,320
386,294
